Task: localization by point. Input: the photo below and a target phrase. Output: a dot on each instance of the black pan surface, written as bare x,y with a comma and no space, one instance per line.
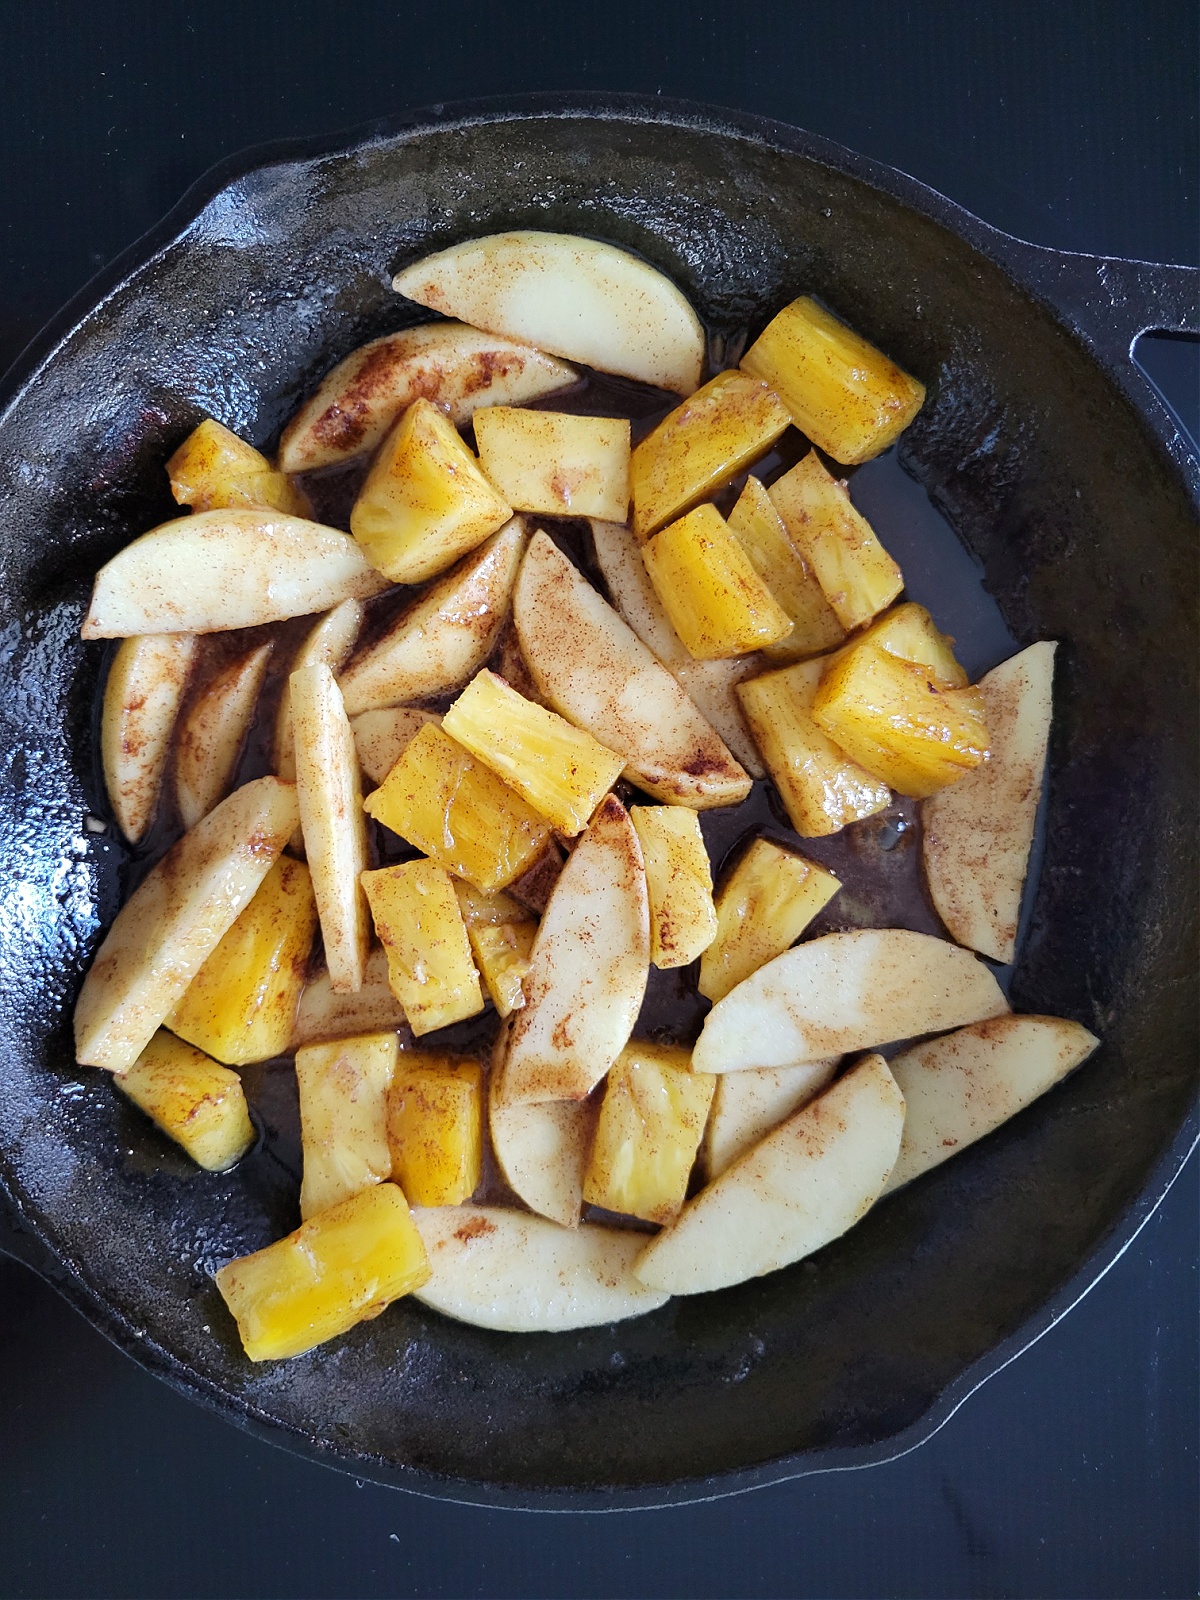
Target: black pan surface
1066,481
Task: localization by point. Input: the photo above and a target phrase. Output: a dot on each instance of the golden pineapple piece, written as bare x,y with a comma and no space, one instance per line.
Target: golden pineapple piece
425,501
678,882
241,1005
555,464
435,1128
339,1268
650,1128
840,391
716,601
562,771
769,899
209,741
909,632
194,1101
343,1117
707,440
502,956
893,718
822,788
382,737
759,530
488,910
855,571
329,644
444,801
429,955
214,470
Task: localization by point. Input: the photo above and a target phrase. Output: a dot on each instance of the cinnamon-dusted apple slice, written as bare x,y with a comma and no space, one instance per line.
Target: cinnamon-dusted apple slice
521,1274
843,992
588,968
175,919
213,732
326,1014
978,832
802,1187
226,569
542,1149
592,668
443,639
382,737
329,644
458,368
749,1105
145,689
572,297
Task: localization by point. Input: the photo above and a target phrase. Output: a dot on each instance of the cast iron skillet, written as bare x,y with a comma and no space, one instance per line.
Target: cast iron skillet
1062,472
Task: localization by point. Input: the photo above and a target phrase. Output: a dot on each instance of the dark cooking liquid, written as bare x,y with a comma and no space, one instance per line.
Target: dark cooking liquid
877,861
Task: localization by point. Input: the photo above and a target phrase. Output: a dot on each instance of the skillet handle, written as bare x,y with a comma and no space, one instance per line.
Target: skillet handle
1111,301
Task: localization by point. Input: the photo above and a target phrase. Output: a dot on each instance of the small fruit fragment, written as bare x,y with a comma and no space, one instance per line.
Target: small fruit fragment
679,883
840,391
429,955
769,899
717,603
343,1117
488,910
329,644
750,1104
194,1101
324,1014
145,688
759,530
909,633
339,1268
502,956
425,502
555,464
212,734
214,470
435,1128
707,440
821,787
382,737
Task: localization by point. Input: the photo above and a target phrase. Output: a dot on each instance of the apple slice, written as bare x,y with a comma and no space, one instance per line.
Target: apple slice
593,669
542,1150
326,1014
145,688
964,1085
572,297
978,832
213,732
445,637
458,368
175,919
846,991
588,968
330,642
226,569
748,1105
382,737
803,1186
520,1274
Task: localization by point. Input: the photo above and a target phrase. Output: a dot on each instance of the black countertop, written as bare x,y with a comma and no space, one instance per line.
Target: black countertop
1074,1471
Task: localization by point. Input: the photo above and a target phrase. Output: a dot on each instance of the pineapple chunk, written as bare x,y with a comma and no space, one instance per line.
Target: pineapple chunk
908,632
770,897
488,910
382,737
650,1128
502,955
214,470
210,738
435,1129
562,771
340,1268
343,1117
429,955
194,1101
425,501
329,644
849,399
448,804
892,717
554,464
678,883
821,787
759,530
241,1005
716,601
707,440
855,571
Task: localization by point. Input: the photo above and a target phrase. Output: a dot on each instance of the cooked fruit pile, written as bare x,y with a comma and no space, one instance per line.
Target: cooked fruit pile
500,717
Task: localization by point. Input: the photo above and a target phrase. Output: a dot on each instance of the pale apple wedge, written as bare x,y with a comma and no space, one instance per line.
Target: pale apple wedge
445,637
542,1150
964,1085
145,688
521,1274
572,297
175,919
382,737
843,992
803,1186
708,684
749,1105
333,822
593,669
330,643
226,569
212,734
588,968
978,831
458,368
324,1014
